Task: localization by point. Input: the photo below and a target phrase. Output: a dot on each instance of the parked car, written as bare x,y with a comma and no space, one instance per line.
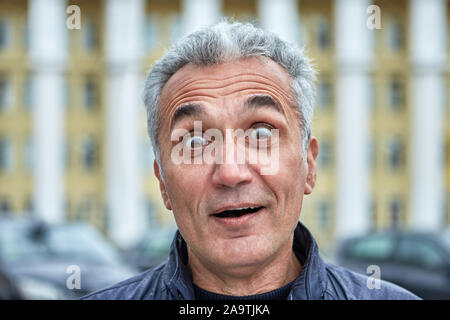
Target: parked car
152,249
417,261
39,261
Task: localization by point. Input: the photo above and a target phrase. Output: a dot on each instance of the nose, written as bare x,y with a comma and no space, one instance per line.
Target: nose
234,170
231,175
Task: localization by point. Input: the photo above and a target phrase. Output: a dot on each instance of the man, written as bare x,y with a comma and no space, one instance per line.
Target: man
229,115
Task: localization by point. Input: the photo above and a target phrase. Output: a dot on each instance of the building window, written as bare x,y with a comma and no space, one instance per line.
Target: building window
5,93
325,153
324,94
89,154
395,212
90,37
395,36
323,214
396,154
28,154
323,34
28,93
90,93
4,33
26,36
396,94
5,155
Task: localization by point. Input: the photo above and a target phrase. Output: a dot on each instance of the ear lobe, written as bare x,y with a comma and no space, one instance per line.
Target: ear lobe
162,187
310,183
313,151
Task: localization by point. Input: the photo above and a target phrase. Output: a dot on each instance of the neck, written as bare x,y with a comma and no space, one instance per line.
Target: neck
261,277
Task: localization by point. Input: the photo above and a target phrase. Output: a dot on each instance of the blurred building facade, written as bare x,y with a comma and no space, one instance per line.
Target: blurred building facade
73,142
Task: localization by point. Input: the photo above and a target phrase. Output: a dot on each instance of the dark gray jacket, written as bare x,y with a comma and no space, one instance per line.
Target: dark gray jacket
318,280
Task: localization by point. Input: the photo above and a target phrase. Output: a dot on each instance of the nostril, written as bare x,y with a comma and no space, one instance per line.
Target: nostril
231,174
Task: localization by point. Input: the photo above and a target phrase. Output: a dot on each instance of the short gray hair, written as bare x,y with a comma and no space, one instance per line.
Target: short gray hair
227,41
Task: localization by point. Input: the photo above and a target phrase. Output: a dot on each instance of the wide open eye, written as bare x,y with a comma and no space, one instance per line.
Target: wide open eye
196,142
260,133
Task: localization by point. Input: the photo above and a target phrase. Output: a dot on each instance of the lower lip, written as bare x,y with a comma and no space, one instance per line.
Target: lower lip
237,221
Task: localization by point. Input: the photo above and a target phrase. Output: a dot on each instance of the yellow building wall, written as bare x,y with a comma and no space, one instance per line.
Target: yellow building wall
15,122
318,212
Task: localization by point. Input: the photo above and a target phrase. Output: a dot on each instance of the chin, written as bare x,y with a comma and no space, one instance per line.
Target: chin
242,252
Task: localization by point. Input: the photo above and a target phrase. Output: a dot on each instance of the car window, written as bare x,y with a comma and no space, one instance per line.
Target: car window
420,253
16,246
375,247
80,241
158,242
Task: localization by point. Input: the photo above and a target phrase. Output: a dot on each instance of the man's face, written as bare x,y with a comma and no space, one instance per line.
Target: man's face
222,97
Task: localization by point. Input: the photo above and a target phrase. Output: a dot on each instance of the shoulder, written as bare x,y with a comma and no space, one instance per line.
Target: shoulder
147,285
354,286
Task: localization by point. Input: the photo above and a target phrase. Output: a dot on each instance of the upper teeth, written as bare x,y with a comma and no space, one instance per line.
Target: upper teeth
244,208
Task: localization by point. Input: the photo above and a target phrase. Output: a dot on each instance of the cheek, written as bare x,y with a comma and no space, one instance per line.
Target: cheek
183,193
291,178
291,161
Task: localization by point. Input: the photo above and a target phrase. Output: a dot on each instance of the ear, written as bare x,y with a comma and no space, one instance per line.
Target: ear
162,187
312,152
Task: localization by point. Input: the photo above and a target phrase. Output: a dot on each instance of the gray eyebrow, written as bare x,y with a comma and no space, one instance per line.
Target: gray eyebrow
186,111
191,110
262,101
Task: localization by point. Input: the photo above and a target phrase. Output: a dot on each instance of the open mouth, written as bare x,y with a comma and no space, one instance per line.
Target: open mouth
238,212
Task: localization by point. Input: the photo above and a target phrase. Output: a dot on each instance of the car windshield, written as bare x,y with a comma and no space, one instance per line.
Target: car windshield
76,242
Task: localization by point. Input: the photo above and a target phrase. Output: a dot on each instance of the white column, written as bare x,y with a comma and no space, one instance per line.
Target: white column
354,54
428,49
200,13
124,34
48,53
280,17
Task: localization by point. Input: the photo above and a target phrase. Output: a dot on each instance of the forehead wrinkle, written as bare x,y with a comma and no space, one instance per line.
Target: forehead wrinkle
188,81
284,103
246,77
227,89
191,87
184,99
174,105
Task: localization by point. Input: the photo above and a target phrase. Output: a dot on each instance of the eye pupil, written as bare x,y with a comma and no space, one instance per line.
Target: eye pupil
262,133
196,141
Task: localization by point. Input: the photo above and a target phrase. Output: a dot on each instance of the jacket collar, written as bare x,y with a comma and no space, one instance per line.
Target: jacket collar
309,284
